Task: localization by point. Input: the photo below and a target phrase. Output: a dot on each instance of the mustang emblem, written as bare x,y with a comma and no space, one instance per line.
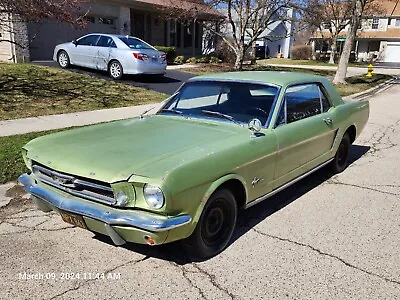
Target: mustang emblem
256,181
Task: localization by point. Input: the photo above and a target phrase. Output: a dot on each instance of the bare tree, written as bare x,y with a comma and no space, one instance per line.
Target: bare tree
359,7
39,10
329,18
240,22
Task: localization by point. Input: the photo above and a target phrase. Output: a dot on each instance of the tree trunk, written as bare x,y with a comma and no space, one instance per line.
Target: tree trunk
358,9
333,51
239,59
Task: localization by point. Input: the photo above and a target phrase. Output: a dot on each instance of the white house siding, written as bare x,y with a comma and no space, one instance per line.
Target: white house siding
6,48
279,42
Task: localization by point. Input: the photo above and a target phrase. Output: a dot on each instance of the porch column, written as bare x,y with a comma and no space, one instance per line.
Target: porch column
124,21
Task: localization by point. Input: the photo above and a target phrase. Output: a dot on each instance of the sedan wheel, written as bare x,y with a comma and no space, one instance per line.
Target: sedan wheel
116,71
215,227
63,60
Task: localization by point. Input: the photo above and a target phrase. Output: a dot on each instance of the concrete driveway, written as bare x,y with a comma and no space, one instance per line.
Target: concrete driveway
167,84
324,238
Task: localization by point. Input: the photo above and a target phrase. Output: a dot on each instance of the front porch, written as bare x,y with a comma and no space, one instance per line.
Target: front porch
151,26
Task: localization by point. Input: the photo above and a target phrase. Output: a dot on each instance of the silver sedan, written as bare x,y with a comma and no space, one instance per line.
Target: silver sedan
116,54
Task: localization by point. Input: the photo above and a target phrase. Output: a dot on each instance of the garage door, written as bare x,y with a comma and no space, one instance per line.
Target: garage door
46,36
392,52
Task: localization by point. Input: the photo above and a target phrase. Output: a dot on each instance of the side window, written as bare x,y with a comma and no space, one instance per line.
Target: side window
302,101
106,41
88,40
326,105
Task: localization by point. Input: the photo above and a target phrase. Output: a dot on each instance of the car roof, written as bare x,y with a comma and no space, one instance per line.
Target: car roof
271,77
112,35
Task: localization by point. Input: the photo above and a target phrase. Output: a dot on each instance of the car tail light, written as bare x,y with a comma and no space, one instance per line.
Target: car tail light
141,56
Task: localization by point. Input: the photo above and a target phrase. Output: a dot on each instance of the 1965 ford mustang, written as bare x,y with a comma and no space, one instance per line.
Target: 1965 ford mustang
223,142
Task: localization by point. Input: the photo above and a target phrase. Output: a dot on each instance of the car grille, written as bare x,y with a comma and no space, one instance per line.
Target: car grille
81,187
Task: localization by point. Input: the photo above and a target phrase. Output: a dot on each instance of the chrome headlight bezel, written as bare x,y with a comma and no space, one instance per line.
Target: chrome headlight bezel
154,196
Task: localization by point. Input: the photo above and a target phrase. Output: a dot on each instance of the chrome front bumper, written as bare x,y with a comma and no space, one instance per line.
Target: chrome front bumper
108,215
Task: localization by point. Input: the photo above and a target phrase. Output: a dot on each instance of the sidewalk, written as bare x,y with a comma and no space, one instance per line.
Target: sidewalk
44,123
351,71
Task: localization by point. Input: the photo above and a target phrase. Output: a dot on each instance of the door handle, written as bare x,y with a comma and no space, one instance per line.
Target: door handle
328,121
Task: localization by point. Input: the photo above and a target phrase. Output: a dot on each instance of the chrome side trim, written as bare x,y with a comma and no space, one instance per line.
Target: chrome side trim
281,188
49,199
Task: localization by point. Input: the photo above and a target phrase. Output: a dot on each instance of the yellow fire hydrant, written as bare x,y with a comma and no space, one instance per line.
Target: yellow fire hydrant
370,70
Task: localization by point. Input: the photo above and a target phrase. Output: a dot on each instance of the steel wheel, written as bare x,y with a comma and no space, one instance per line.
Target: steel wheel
341,160
215,227
115,70
63,60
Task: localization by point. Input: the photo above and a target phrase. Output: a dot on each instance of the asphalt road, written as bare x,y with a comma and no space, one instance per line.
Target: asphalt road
168,84
323,238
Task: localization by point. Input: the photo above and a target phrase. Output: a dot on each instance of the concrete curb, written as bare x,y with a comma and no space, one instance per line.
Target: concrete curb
372,91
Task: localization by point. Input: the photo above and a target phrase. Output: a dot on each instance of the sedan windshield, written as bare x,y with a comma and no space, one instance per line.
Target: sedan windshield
135,43
229,101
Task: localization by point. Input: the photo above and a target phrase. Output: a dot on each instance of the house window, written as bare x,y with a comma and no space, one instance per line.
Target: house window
107,21
188,34
375,23
90,19
327,25
172,32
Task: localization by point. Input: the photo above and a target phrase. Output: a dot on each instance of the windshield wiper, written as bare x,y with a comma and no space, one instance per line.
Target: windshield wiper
174,111
221,115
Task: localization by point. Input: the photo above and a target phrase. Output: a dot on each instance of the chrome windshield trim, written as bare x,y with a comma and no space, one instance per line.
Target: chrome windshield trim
108,215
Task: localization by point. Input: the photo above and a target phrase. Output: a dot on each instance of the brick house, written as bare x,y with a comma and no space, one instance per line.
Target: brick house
144,19
378,38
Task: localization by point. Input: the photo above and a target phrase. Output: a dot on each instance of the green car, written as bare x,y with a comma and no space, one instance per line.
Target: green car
223,142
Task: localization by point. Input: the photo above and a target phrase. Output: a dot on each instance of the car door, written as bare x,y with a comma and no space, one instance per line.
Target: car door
83,54
105,50
305,131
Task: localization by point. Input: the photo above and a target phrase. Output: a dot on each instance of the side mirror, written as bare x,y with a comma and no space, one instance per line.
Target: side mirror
75,42
255,126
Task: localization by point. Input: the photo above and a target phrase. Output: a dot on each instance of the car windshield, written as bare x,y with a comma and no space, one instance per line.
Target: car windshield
135,43
230,101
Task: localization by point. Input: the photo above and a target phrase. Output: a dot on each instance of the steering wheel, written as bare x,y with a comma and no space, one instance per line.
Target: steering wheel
258,109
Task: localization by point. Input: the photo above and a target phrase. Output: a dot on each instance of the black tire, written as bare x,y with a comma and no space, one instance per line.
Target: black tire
215,227
115,70
63,59
341,160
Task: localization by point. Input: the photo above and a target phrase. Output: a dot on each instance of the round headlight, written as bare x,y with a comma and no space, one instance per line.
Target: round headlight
121,199
154,196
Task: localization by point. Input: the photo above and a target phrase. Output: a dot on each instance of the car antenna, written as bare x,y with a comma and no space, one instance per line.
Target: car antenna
147,111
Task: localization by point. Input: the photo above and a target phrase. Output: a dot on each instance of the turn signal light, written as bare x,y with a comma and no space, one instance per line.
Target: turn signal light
149,240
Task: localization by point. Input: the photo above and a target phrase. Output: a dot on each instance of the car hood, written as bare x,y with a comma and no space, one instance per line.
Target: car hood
115,151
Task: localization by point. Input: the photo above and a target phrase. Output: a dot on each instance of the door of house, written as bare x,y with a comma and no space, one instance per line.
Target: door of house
138,25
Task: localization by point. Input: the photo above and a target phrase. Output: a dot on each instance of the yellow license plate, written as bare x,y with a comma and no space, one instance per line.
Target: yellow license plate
73,219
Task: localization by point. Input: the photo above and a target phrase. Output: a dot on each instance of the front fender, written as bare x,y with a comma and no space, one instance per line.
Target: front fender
212,188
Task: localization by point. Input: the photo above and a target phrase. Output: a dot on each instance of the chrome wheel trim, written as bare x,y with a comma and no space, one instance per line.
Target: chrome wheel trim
115,70
63,59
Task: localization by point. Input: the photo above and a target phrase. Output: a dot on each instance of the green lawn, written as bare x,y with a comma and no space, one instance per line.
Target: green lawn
355,84
27,91
11,163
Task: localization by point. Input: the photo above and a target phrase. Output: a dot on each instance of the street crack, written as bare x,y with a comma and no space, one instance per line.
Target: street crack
336,182
86,282
320,252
